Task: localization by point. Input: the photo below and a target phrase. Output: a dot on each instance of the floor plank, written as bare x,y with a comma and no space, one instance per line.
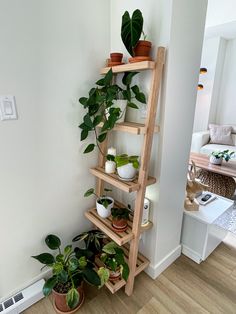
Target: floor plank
184,288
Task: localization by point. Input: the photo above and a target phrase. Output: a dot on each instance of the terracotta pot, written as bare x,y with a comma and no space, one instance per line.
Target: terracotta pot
119,223
116,56
142,48
115,275
60,301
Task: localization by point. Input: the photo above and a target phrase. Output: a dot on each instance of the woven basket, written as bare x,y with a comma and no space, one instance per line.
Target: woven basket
218,183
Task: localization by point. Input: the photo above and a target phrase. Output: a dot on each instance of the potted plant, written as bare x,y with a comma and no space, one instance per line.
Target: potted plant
127,166
131,31
68,275
217,157
104,203
100,108
93,240
120,217
114,259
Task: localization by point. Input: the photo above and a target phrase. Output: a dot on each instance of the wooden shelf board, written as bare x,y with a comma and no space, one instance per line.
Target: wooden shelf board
130,67
141,264
132,127
113,179
105,225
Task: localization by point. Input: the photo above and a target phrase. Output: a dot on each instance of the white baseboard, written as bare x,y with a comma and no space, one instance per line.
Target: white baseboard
155,270
191,254
42,275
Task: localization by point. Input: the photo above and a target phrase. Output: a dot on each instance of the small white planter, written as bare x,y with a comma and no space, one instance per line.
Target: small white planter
215,161
127,172
103,211
122,104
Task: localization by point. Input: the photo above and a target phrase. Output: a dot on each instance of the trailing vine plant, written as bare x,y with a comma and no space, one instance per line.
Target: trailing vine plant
100,110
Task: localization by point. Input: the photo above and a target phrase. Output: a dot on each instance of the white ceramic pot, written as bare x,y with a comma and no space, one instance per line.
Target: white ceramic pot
103,211
122,104
215,161
127,172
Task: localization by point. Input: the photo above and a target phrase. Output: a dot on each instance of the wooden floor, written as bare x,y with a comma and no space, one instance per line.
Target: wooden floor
184,287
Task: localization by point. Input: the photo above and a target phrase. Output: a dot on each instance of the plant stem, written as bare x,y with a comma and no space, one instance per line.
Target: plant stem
98,142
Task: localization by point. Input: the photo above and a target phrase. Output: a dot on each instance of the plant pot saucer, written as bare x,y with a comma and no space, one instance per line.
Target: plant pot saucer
119,229
127,180
112,64
139,59
72,311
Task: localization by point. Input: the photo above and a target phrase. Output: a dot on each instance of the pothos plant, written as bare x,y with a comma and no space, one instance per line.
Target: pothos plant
68,271
99,106
124,159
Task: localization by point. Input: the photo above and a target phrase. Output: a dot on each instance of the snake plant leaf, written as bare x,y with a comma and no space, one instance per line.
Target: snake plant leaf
131,29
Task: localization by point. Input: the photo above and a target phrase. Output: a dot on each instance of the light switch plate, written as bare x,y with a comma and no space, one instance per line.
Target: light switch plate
8,108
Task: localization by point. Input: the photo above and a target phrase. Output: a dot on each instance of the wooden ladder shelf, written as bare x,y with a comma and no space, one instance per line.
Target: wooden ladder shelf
130,238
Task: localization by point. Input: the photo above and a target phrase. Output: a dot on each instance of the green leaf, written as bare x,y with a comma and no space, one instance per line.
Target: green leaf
110,157
53,242
68,249
88,121
91,277
82,262
83,101
83,135
45,258
89,192
73,264
135,164
89,148
102,137
125,271
104,274
132,105
57,268
127,78
60,258
49,285
83,126
108,190
101,82
62,276
109,248
131,29
135,89
108,77
141,97
97,120
127,94
72,298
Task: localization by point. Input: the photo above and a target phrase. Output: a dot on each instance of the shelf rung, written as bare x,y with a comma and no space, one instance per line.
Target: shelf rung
130,67
132,127
113,179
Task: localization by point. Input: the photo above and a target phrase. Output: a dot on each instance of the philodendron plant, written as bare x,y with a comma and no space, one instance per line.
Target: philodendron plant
124,159
99,106
68,271
103,200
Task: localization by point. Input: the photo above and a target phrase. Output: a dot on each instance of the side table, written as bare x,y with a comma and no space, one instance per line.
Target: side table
200,236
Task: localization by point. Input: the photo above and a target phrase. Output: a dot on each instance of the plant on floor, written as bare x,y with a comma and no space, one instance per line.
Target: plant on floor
131,31
127,166
224,154
104,203
114,259
120,217
68,274
93,240
99,107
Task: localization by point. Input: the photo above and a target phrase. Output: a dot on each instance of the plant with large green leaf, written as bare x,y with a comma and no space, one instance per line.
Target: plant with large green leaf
131,29
99,107
69,270
113,258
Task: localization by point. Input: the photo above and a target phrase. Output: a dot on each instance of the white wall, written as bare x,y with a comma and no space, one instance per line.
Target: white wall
226,106
220,12
213,56
165,23
51,52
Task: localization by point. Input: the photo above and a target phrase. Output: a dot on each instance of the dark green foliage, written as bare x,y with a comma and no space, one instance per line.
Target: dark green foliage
120,213
131,29
100,110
